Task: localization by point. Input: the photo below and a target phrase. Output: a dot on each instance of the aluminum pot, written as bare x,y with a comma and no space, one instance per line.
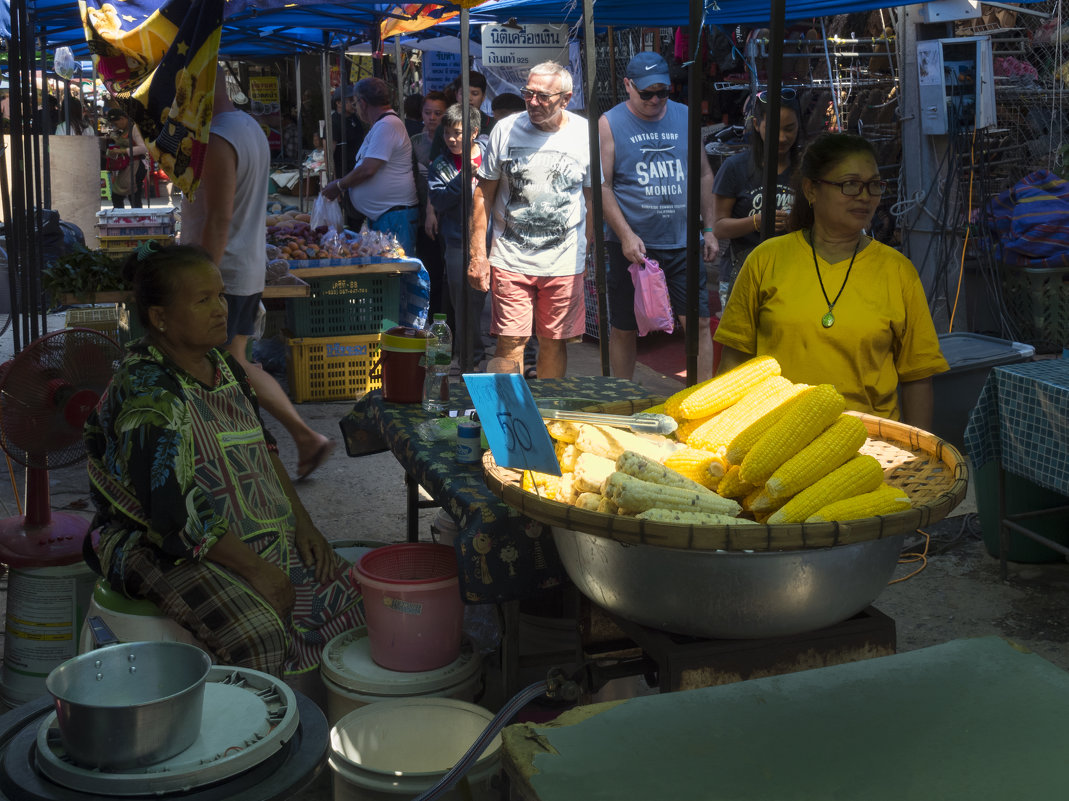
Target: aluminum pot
728,594
130,705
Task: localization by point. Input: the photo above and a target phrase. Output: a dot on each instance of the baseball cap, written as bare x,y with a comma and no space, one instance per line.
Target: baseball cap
350,91
646,69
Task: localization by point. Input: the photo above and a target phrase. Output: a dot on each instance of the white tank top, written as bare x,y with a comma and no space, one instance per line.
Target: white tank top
244,260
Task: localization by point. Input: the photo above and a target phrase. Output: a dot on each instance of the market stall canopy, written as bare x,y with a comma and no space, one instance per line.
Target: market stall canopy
263,28
431,44
250,27
643,13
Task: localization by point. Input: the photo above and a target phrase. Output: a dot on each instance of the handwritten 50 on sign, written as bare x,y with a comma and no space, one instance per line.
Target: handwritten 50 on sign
509,416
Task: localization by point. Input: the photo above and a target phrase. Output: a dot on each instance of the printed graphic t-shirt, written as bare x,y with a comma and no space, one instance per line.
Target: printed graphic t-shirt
539,211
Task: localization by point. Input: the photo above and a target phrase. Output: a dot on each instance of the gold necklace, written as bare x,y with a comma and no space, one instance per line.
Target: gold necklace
828,320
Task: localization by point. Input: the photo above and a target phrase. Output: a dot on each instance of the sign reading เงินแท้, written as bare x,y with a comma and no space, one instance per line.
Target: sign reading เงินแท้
524,46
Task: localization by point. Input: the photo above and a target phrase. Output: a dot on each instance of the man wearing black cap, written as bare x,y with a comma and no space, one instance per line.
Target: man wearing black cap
346,128
644,163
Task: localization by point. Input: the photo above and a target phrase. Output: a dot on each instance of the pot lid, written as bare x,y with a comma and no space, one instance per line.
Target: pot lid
248,716
347,662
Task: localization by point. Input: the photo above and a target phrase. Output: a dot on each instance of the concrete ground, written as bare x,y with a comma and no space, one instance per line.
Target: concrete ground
958,593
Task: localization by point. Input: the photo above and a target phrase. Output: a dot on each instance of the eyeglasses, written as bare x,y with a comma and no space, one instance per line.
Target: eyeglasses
853,188
530,94
784,94
652,93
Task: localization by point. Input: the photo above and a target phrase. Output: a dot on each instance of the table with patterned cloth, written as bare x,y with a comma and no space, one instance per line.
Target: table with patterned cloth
501,555
1021,422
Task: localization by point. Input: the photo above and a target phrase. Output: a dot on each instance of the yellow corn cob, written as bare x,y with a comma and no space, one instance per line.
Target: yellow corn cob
568,457
729,388
563,430
687,427
635,495
884,500
541,484
861,474
716,433
591,471
611,442
765,504
691,518
731,486
748,437
807,416
639,466
702,466
658,409
567,492
748,500
671,405
829,450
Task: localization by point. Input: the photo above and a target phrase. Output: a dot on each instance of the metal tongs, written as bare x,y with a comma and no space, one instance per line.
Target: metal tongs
641,423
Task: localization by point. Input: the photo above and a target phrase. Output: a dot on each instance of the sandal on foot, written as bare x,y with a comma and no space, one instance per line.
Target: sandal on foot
308,466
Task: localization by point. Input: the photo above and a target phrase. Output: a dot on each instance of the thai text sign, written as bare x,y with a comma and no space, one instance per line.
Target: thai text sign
524,46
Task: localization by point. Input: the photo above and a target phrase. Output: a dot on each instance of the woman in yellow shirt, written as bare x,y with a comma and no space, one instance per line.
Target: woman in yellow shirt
832,304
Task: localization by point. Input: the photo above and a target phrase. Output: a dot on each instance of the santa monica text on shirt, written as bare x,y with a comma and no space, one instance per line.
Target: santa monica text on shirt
671,169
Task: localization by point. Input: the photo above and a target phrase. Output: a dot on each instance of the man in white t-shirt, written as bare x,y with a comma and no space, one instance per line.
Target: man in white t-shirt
534,183
382,184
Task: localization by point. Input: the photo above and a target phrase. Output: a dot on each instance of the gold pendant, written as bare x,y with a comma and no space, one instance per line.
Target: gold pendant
828,320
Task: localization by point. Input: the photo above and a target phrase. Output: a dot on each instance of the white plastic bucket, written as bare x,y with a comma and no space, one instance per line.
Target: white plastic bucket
398,749
444,528
353,679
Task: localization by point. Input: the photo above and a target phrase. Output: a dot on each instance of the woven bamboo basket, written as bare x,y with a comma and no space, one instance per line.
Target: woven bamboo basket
930,470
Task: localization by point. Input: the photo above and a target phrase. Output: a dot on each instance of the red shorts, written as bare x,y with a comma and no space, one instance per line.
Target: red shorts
553,304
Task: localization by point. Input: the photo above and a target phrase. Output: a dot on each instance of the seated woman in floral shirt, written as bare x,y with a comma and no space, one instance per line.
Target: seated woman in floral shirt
195,511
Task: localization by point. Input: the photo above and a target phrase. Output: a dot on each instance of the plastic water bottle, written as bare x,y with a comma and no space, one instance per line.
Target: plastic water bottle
438,357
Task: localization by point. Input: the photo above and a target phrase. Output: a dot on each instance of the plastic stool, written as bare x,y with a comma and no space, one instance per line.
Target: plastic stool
130,620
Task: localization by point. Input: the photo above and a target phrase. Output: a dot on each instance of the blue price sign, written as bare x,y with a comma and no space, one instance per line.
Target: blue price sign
514,429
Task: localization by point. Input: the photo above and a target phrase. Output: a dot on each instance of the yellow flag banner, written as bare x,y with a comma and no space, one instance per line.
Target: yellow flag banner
158,60
412,17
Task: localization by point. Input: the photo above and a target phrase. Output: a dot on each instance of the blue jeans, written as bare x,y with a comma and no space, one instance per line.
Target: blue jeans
402,224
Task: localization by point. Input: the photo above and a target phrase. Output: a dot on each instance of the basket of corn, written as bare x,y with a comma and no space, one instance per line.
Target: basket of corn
757,463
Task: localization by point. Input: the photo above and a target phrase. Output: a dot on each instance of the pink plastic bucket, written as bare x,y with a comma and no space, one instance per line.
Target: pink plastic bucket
412,604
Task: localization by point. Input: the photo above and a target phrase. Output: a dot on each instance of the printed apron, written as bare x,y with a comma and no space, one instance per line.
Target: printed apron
233,465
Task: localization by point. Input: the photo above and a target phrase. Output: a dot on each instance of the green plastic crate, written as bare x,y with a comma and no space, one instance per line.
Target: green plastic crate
1037,300
345,305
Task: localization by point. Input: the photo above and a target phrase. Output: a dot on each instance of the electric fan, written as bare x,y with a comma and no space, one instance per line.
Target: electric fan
46,393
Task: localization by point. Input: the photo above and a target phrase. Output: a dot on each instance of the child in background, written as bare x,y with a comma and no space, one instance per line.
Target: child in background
444,181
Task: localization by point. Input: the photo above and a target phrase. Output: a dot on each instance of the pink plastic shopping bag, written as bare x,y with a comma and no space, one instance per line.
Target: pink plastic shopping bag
653,309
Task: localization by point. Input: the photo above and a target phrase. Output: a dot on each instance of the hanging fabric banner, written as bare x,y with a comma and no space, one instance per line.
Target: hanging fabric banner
412,17
158,59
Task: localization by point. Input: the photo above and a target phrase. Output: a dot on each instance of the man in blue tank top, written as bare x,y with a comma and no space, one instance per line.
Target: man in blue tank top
644,194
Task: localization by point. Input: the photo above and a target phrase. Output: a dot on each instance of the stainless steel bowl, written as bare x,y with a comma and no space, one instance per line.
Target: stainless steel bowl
728,594
130,705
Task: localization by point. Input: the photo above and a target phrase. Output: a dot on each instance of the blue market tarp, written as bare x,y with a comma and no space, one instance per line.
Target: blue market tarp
283,27
636,13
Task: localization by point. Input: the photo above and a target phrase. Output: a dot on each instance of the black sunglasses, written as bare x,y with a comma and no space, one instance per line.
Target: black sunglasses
786,93
543,97
649,94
